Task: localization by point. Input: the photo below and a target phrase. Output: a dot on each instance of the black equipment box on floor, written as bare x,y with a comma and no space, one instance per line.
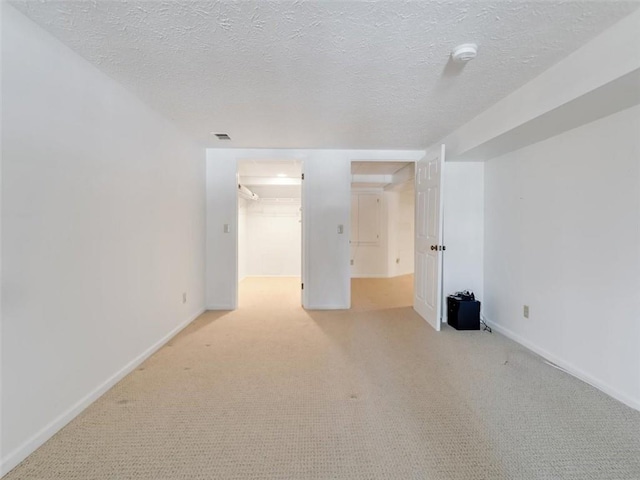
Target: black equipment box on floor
462,313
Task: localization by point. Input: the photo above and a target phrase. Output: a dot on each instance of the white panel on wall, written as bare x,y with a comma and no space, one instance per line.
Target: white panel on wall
274,238
368,218
392,253
369,256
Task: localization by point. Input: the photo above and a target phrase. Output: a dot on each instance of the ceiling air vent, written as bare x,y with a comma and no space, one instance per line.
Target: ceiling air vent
222,136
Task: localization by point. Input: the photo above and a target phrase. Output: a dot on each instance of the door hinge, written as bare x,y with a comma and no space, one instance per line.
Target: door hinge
303,176
302,286
441,247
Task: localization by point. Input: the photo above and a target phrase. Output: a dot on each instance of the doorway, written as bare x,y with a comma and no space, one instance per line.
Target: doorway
269,225
382,231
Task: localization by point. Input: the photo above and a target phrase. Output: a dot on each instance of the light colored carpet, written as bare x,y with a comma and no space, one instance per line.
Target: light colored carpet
273,392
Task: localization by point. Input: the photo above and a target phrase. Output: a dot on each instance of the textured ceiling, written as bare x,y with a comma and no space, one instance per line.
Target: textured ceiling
322,74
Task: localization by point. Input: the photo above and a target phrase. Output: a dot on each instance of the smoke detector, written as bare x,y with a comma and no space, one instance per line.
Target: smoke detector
465,52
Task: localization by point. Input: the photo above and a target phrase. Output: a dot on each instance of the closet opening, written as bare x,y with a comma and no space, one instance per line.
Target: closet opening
382,234
269,231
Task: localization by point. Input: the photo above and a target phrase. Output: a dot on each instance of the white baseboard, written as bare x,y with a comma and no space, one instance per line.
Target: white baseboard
568,367
401,274
327,307
220,307
12,459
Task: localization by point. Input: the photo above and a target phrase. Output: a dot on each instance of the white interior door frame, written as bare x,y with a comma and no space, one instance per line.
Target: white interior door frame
271,156
428,237
304,265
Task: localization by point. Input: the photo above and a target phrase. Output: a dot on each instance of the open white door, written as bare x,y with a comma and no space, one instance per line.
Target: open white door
428,243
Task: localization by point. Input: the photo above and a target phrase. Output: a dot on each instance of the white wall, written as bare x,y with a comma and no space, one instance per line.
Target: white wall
102,232
400,224
562,235
463,235
273,243
326,204
327,191
221,283
560,198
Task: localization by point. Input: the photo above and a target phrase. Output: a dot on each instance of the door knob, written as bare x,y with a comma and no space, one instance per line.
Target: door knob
434,247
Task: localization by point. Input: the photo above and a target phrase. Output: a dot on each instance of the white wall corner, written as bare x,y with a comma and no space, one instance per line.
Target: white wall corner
568,367
11,459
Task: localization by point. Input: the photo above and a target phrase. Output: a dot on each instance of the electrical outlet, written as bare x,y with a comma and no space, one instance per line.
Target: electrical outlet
525,311
184,297
351,261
